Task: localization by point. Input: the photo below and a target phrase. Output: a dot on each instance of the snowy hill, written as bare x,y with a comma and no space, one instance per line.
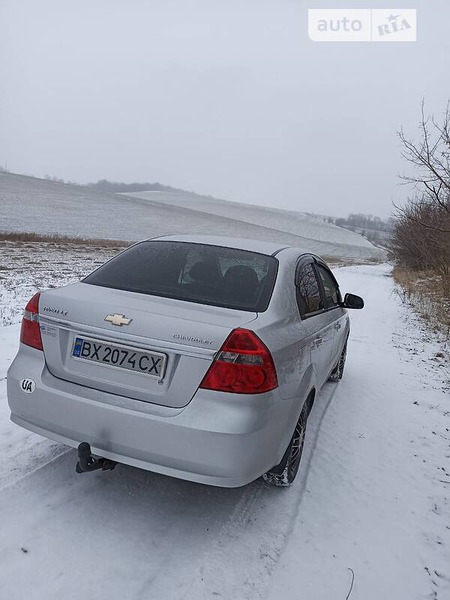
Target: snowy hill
312,233
295,223
28,204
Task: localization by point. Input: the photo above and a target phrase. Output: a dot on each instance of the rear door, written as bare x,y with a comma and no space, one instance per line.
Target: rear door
318,322
332,303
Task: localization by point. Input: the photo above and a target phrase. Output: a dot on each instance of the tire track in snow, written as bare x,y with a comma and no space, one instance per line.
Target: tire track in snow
29,457
258,529
375,502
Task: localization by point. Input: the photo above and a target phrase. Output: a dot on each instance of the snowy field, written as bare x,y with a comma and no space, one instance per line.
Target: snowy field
26,267
372,497
294,223
45,207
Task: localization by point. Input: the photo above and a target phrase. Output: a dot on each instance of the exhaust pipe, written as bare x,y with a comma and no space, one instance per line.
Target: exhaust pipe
86,462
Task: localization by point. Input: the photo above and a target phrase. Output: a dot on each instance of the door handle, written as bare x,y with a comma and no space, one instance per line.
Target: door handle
337,326
318,341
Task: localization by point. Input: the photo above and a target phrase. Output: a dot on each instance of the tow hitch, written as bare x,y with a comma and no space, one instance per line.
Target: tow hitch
87,462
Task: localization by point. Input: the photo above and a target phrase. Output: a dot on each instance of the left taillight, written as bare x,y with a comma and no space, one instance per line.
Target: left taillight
30,333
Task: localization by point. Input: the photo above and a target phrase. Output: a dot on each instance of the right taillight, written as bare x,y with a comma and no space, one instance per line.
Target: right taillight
243,365
30,333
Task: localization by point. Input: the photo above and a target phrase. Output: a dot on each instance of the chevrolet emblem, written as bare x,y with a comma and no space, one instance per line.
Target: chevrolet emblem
116,319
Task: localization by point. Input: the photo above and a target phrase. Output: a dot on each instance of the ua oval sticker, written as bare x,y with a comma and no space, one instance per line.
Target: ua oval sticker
28,385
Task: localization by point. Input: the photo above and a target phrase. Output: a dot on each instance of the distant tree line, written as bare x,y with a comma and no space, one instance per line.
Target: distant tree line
365,222
55,179
375,229
103,185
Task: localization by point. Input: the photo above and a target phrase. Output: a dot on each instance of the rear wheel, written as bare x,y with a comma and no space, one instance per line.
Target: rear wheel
338,371
284,473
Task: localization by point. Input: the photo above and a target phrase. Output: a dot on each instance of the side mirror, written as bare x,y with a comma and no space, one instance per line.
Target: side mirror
353,301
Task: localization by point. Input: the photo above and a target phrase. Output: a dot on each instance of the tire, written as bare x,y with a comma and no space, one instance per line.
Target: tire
285,472
338,371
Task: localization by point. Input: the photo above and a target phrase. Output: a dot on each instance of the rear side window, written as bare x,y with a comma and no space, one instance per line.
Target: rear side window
331,290
212,275
308,292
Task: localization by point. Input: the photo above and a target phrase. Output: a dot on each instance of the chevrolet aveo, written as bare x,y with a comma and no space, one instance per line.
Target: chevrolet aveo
195,357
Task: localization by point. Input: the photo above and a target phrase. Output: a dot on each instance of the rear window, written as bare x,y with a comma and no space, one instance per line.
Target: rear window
199,273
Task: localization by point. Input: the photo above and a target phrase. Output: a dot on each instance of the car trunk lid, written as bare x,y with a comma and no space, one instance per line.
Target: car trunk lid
174,341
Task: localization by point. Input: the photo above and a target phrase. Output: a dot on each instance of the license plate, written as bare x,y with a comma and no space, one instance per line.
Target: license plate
152,364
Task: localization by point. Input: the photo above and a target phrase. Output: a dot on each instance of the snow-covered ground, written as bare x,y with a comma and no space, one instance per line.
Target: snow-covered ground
46,207
372,495
295,223
26,267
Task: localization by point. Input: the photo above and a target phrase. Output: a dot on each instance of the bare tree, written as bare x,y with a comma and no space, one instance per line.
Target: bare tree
430,158
421,236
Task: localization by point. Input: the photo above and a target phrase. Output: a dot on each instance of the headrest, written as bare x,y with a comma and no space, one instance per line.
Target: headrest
205,272
242,276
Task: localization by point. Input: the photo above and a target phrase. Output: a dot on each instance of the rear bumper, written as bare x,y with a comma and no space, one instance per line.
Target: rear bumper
220,439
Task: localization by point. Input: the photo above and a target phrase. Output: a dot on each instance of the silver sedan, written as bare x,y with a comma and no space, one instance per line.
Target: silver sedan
195,357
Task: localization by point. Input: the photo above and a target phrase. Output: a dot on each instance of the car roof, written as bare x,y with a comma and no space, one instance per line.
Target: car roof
252,245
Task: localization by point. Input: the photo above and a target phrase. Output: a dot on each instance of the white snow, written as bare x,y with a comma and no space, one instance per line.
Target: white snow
377,494
296,223
26,267
372,495
46,207
296,228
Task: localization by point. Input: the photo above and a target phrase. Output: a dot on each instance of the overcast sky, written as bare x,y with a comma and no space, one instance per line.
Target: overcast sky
224,97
